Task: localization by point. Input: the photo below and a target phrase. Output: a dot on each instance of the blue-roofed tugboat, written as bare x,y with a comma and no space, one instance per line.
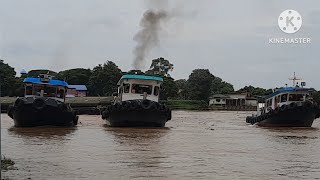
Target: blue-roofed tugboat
287,107
137,103
43,104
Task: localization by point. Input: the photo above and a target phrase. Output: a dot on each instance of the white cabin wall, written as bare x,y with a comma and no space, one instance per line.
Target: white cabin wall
132,96
250,102
279,104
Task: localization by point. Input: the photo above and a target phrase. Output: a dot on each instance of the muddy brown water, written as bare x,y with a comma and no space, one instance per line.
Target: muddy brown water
194,145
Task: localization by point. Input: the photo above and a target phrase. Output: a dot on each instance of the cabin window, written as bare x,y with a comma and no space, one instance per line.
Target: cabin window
269,102
60,93
295,97
126,88
50,91
141,88
284,97
156,90
29,90
37,90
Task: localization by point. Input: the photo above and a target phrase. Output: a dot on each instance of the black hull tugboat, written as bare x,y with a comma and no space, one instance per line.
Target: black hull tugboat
287,107
43,104
136,103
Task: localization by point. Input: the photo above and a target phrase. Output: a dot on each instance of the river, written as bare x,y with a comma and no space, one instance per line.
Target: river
194,145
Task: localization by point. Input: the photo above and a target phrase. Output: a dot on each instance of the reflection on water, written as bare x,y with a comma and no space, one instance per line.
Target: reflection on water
294,139
140,134
291,129
298,137
293,135
41,133
142,147
195,145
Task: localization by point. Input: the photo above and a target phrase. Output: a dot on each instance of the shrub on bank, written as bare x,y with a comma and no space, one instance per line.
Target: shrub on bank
186,104
6,163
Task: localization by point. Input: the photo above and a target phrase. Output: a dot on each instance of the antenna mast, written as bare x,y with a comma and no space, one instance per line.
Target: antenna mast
294,79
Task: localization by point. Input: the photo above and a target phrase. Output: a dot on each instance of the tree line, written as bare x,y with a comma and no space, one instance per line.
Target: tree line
102,81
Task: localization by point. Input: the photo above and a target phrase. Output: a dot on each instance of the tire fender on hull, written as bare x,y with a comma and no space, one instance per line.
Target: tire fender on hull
39,104
18,104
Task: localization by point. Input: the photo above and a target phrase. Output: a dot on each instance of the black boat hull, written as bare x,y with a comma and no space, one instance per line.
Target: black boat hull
53,113
138,115
137,119
290,119
299,116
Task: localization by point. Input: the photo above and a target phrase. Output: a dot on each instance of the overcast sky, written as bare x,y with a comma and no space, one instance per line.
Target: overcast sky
230,38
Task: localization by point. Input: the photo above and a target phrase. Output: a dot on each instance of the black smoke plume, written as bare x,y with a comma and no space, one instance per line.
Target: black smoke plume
148,37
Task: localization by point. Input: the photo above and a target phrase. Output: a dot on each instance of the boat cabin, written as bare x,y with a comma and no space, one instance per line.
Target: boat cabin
133,86
286,96
45,86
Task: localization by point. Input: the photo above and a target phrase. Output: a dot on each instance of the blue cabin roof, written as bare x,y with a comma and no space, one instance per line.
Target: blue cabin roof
78,87
288,89
53,82
144,77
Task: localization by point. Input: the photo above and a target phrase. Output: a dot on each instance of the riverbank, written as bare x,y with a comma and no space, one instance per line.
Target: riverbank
94,105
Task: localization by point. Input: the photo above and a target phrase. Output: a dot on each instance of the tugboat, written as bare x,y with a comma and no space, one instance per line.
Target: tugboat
137,103
287,107
43,104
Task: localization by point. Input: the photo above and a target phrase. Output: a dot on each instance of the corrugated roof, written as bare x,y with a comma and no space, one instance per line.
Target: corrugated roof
78,87
219,96
288,89
134,76
53,82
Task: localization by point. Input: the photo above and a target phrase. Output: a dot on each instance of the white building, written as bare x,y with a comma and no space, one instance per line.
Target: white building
218,100
232,100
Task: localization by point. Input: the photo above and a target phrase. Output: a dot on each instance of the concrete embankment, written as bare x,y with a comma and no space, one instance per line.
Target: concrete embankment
94,105
203,106
84,105
89,105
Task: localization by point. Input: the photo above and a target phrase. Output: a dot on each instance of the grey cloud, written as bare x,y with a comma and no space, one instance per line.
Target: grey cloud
228,37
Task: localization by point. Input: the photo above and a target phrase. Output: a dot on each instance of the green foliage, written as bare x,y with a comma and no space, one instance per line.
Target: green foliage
316,96
226,88
221,87
182,88
18,87
37,72
199,84
255,91
104,79
7,79
169,88
186,104
75,76
160,66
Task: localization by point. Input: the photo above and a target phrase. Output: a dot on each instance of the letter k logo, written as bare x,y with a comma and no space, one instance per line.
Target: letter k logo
290,21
